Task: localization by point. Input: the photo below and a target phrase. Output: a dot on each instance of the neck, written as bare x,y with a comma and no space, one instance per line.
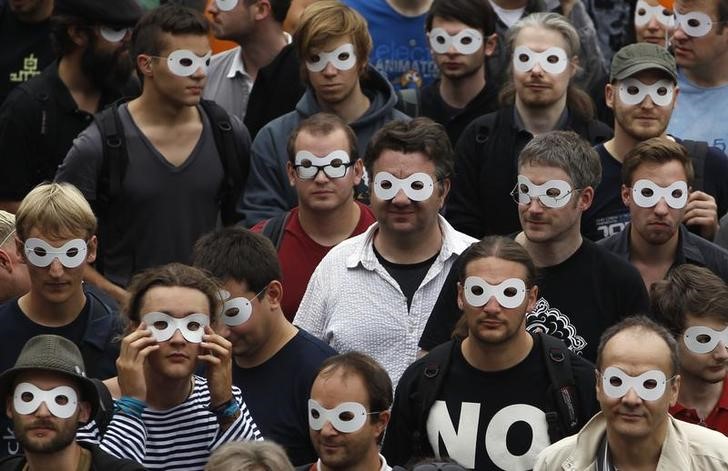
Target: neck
552,252
259,49
369,462
408,248
350,109
410,7
164,392
37,15
63,460
649,254
328,228
542,119
69,71
635,453
459,92
50,314
698,394
710,75
151,109
510,4
282,332
497,357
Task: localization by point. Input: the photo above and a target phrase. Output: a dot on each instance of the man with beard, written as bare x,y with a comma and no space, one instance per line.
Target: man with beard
642,94
461,35
540,97
40,118
47,394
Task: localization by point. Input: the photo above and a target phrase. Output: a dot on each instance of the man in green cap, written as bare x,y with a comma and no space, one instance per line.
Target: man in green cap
47,394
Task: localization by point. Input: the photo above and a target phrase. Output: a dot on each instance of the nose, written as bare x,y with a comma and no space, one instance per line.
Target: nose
653,24
720,351
330,69
661,207
177,338
328,429
42,410
537,69
678,33
212,8
400,199
535,205
321,176
56,268
631,398
492,305
647,103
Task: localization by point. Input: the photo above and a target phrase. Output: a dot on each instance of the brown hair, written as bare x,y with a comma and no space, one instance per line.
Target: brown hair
323,124
657,150
688,289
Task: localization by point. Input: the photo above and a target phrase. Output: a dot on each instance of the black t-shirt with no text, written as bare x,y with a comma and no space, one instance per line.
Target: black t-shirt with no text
409,276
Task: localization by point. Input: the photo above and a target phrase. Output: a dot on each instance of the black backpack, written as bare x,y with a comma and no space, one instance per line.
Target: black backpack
274,228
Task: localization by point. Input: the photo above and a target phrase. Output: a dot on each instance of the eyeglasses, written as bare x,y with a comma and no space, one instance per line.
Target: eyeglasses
309,171
549,199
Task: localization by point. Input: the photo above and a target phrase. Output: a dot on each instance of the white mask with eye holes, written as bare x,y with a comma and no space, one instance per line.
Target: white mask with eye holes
647,194
163,326
236,311
226,5
184,62
342,58
552,194
467,41
347,417
334,165
509,293
40,253
695,24
633,92
553,60
644,12
418,186
701,339
650,385
113,35
61,401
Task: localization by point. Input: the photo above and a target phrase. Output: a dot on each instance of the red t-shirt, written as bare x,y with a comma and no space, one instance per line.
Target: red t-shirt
716,420
299,255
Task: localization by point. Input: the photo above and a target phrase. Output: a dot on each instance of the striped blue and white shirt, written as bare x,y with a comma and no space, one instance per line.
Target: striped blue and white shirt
180,438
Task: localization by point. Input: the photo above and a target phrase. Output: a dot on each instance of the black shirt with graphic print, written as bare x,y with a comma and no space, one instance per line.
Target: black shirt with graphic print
578,299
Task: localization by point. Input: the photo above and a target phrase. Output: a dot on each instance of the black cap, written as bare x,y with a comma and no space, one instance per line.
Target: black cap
104,12
57,354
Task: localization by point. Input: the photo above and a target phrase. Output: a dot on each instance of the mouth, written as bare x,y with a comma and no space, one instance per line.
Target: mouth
177,356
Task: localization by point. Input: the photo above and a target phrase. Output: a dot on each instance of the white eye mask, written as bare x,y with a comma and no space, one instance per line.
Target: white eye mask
418,186
509,293
695,24
163,326
633,92
553,193
347,417
650,385
226,5
61,401
647,194
113,35
701,339
184,62
343,58
466,41
41,254
333,165
644,12
553,60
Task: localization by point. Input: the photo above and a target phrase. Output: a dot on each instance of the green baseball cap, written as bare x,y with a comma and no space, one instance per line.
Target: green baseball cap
57,354
642,56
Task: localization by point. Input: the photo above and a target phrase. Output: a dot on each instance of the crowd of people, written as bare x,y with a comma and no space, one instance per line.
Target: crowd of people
364,235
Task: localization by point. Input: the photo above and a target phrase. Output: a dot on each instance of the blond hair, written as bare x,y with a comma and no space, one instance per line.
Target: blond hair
7,227
258,456
56,209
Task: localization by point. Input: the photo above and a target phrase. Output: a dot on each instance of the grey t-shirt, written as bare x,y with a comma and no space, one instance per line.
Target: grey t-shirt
162,209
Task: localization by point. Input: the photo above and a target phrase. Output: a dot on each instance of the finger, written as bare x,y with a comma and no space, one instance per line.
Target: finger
211,359
218,339
133,337
215,349
701,213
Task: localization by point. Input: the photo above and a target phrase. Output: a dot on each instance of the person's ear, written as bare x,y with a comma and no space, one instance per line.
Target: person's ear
78,35
532,298
674,389
444,190
9,406
625,195
84,412
573,66
274,293
461,295
358,169
586,198
20,247
490,44
93,244
291,173
609,95
144,64
263,10
6,261
382,422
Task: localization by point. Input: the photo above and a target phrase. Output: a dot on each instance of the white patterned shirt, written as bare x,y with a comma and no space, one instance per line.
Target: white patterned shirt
354,304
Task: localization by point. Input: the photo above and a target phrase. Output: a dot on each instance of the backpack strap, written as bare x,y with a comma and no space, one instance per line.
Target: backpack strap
275,227
408,101
697,150
235,162
106,407
564,420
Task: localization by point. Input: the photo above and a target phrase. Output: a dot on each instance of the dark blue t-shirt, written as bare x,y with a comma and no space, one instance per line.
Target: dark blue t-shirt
277,393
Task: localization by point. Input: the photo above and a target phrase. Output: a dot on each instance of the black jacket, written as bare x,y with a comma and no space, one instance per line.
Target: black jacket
486,169
100,461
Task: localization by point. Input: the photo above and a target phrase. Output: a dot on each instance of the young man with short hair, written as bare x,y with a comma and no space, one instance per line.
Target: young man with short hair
700,44
637,382
47,395
324,167
583,289
273,361
373,293
657,175
642,94
462,36
179,163
348,411
540,97
498,376
40,119
693,303
14,278
333,43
